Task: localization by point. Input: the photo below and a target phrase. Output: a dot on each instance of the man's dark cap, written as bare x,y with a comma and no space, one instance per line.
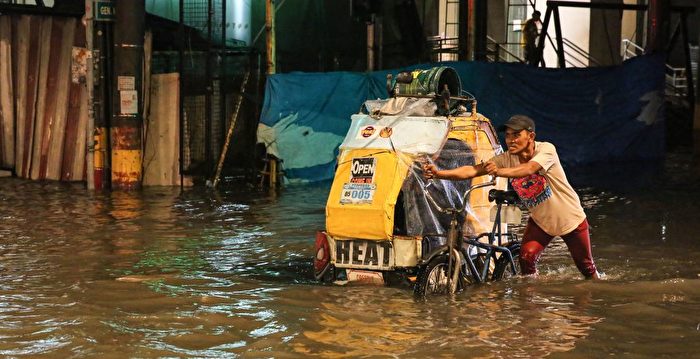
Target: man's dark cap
518,122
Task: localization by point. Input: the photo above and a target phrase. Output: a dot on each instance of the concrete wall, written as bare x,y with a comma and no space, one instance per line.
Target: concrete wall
497,20
606,34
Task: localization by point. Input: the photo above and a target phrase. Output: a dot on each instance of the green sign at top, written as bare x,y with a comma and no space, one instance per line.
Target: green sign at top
104,11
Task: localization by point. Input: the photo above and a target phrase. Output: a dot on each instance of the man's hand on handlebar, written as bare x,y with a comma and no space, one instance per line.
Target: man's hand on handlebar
429,170
490,168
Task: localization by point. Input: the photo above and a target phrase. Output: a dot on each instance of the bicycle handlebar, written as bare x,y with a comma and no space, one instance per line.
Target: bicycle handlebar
466,194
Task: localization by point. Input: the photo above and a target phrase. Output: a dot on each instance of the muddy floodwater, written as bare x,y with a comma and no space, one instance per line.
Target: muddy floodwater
199,273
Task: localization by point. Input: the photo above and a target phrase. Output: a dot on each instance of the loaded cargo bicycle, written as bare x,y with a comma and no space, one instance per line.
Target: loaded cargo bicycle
386,224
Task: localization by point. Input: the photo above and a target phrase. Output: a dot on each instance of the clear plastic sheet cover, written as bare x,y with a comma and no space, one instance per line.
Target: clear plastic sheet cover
415,215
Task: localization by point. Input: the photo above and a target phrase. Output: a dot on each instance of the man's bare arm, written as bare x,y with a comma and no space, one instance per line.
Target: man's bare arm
459,173
522,170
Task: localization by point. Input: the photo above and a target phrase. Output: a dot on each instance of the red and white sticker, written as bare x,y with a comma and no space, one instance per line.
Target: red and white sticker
369,132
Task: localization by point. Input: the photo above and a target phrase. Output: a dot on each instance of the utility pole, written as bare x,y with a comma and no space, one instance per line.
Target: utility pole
127,117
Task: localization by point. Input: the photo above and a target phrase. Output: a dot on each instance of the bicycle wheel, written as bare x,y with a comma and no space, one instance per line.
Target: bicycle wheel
433,278
503,268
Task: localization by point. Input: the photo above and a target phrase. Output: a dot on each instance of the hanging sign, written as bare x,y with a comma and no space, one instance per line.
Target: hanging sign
128,102
104,11
126,83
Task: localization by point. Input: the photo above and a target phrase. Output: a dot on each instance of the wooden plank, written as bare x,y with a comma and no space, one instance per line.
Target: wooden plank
38,92
74,150
162,147
49,53
20,53
29,37
72,122
80,162
7,112
57,128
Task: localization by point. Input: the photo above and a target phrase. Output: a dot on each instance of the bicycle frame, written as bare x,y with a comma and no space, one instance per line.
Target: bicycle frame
495,243
455,240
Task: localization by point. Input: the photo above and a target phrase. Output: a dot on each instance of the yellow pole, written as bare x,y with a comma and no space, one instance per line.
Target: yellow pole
99,156
273,172
270,28
271,69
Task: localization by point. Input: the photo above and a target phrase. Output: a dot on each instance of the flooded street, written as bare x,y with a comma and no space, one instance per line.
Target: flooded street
227,273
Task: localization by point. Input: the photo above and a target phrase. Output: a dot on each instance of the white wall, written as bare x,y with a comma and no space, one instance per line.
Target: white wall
629,25
575,26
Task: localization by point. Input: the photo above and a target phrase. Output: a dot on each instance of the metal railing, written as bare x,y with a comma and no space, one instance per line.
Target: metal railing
575,56
629,49
676,79
443,48
497,52
575,52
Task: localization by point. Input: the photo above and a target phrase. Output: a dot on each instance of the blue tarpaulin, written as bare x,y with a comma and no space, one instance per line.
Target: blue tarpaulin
591,114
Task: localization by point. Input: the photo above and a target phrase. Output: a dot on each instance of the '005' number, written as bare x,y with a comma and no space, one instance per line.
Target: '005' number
361,194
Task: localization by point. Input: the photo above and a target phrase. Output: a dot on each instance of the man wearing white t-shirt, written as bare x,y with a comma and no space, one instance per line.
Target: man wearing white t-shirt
538,177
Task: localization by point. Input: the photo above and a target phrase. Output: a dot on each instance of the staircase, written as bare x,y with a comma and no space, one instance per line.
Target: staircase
497,52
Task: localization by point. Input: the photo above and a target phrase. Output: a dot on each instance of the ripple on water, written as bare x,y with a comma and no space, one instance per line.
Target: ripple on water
169,273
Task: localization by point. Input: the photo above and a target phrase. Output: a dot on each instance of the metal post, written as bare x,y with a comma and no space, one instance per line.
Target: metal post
99,70
90,86
543,35
103,55
127,114
560,41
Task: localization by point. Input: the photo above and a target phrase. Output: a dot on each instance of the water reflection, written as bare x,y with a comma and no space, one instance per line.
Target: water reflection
226,273
502,320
